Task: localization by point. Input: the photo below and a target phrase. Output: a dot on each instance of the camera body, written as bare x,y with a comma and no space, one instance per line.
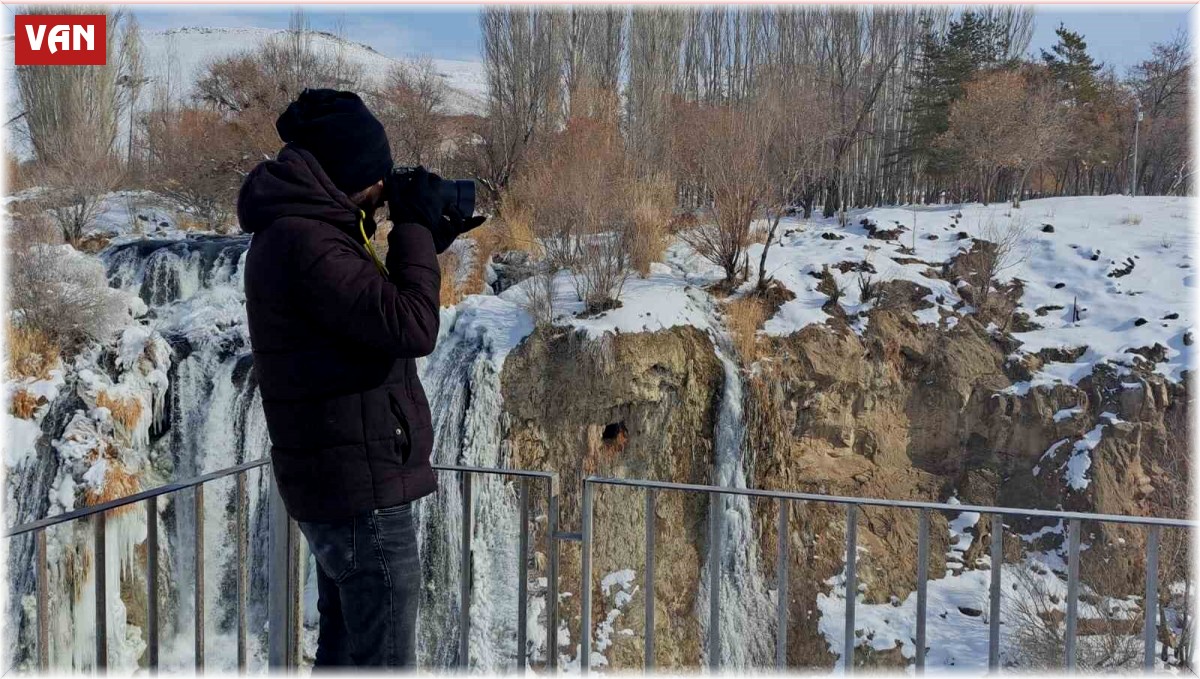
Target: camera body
459,193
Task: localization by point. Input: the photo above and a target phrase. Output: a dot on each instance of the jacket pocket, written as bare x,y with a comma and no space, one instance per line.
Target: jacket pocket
403,434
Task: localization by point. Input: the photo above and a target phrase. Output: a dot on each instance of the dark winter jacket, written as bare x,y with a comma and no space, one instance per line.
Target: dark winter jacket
334,341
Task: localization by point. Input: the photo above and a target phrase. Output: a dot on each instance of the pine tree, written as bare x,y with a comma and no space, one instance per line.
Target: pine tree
1072,66
944,67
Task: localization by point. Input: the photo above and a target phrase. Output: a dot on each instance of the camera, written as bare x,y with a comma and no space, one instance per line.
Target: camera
459,193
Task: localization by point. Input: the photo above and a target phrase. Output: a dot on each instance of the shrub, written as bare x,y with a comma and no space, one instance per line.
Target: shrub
75,191
577,197
63,295
723,152
198,160
538,300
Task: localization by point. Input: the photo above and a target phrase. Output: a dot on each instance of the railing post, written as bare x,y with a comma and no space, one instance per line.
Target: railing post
43,604
1073,529
282,586
152,583
585,585
648,582
851,586
781,584
464,577
717,531
922,585
552,578
242,531
522,574
1150,605
994,592
101,595
198,514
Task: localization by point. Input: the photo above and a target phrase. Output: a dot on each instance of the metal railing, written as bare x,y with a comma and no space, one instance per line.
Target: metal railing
284,567
923,509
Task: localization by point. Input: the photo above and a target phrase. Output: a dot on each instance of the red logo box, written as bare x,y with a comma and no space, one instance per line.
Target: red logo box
60,40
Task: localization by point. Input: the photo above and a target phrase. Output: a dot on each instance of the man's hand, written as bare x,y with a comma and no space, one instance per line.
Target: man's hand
453,226
414,198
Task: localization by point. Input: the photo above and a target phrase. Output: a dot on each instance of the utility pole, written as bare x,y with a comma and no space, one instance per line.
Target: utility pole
1137,123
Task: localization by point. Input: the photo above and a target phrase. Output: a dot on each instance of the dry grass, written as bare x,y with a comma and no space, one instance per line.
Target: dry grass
515,230
743,318
758,233
1132,219
118,482
16,176
31,353
125,411
189,223
451,292
651,218
489,239
25,404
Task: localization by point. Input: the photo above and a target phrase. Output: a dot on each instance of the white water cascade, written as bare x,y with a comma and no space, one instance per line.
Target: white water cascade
747,608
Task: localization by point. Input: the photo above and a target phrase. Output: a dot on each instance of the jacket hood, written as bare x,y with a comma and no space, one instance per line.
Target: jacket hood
293,185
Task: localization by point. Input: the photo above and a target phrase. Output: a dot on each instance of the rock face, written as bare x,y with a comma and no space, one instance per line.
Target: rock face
902,411
636,406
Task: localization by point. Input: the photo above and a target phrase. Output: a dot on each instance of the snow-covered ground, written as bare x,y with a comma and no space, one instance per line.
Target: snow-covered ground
1084,262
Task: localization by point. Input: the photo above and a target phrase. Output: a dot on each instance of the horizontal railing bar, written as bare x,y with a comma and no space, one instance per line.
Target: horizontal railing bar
136,497
219,474
901,504
496,471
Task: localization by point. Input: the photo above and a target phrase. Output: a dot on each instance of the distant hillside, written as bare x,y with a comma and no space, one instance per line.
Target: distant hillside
182,53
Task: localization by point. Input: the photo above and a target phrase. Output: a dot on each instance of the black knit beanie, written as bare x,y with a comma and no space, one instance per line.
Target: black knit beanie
341,133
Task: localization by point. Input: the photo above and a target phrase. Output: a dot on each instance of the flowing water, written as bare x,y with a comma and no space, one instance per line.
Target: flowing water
211,419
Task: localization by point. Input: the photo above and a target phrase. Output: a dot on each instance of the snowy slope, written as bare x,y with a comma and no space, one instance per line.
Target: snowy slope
1084,260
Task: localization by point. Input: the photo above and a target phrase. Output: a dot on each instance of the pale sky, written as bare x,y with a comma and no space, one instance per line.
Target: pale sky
1119,35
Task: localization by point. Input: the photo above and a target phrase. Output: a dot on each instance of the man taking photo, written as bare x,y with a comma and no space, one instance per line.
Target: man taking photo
335,332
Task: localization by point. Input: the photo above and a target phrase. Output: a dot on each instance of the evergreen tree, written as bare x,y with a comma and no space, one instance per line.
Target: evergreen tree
945,64
1072,66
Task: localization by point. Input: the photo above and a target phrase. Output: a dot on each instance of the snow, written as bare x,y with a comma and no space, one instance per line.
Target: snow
1057,270
23,434
1067,413
1076,468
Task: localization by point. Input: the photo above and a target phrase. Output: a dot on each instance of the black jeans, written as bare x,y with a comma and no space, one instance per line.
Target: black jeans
368,584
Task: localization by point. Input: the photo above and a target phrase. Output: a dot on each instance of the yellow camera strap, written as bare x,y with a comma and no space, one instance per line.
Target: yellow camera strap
362,218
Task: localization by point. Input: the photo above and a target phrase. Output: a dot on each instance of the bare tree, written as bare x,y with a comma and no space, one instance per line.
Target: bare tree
655,38
410,106
1036,618
73,110
727,153
521,47
799,134
1002,247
